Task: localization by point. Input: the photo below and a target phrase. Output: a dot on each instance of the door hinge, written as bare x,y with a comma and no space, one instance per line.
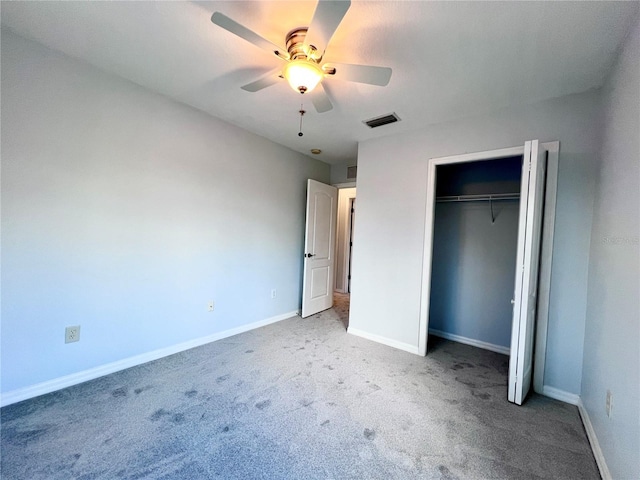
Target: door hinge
351,244
353,210
349,277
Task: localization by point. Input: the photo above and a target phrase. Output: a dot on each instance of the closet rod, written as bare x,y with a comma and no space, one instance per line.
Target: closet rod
479,198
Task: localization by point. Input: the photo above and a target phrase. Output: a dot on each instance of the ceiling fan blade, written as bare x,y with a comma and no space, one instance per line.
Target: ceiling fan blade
264,81
327,17
359,73
320,99
250,36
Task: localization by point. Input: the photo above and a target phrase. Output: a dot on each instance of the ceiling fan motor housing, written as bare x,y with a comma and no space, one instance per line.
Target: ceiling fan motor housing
295,46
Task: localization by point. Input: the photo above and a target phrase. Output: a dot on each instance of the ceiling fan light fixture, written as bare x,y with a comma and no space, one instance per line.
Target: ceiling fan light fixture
303,76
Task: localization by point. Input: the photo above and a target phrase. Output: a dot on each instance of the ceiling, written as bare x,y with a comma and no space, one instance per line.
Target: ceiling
449,59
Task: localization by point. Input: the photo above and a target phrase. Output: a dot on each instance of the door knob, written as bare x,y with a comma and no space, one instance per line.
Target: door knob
309,255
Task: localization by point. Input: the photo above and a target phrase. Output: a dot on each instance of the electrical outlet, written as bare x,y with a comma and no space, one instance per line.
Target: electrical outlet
72,334
211,306
274,293
609,403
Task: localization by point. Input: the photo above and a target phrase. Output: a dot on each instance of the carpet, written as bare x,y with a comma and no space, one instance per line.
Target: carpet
299,399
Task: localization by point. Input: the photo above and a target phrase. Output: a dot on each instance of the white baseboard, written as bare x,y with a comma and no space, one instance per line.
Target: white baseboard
85,375
574,399
384,340
561,395
595,445
470,341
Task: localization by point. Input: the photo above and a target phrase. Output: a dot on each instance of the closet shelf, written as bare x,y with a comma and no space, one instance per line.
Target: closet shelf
479,198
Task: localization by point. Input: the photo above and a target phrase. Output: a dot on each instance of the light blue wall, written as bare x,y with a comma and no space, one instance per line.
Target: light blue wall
339,173
125,212
612,337
473,272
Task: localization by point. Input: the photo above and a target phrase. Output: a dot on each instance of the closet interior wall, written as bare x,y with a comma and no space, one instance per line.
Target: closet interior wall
474,251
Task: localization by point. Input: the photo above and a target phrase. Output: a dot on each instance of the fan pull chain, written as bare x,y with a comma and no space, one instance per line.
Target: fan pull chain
302,112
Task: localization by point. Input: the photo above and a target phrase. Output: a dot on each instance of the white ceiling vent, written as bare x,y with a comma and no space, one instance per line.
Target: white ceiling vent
382,120
352,172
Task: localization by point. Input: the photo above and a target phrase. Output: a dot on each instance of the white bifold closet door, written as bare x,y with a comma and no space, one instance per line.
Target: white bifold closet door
526,281
319,248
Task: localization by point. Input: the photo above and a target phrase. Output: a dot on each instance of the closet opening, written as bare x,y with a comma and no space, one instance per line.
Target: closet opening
465,255
475,239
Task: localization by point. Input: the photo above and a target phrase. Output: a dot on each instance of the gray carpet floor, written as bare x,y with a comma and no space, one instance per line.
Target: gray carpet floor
299,399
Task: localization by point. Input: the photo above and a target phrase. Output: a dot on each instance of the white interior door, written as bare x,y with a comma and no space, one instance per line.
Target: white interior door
319,248
527,261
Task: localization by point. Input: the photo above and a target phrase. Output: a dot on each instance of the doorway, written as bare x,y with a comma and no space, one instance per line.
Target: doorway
319,248
344,238
352,219
474,252
329,240
534,243
344,250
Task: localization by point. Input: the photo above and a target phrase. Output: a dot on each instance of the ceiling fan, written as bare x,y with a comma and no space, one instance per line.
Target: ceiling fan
304,54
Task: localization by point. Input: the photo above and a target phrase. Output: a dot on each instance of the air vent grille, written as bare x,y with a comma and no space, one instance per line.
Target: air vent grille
383,120
352,172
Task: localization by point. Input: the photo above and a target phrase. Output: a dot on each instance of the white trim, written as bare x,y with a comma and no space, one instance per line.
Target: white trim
546,262
384,340
348,243
561,395
470,341
574,399
475,156
593,441
344,185
427,261
92,373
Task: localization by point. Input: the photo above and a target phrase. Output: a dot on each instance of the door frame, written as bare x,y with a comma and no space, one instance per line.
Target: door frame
314,259
343,222
348,257
546,249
